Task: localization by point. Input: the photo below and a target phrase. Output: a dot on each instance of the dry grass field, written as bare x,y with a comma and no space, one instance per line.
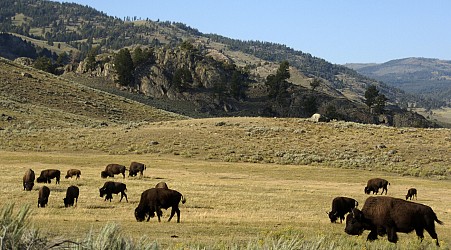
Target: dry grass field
244,179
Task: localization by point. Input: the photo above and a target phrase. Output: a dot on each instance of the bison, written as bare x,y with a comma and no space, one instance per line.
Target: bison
112,169
152,200
340,207
28,180
162,185
43,198
388,215
411,193
73,172
71,196
373,185
48,174
111,187
135,168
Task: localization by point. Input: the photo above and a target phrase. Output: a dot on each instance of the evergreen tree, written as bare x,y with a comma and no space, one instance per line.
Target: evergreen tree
91,58
123,64
374,99
277,83
45,64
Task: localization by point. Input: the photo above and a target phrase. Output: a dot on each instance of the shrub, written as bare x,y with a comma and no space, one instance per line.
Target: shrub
15,230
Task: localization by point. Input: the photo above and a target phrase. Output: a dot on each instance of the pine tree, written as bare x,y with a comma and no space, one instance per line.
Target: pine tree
123,64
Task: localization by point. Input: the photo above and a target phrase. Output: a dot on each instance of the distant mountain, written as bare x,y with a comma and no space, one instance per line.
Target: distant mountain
219,75
429,78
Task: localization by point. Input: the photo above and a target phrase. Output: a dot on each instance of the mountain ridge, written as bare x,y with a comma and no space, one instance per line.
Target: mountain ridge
87,28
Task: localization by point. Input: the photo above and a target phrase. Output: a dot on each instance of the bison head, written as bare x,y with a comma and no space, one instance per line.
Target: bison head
104,174
42,201
354,222
333,216
41,179
102,191
132,172
140,214
28,186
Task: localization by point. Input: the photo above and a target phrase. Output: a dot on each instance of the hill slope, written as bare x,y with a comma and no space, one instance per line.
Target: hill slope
430,78
34,99
83,28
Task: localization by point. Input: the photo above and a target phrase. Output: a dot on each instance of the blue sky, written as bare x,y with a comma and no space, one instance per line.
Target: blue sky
339,31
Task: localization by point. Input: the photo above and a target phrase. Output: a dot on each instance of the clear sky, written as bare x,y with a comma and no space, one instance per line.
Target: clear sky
339,31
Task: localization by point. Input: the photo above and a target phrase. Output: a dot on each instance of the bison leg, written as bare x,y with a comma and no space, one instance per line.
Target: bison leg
372,235
432,233
122,195
391,234
173,211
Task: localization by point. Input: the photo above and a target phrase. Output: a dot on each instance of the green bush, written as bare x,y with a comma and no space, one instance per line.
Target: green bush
16,232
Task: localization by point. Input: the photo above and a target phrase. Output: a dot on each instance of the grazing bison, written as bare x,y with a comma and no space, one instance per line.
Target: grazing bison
373,185
388,215
43,198
73,172
411,193
162,185
71,196
48,174
28,180
112,169
110,188
135,168
340,207
152,200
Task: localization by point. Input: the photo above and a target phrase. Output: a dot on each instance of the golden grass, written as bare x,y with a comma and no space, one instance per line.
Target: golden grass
226,202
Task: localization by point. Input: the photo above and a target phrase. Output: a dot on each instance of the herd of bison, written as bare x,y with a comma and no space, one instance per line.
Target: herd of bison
381,215
151,202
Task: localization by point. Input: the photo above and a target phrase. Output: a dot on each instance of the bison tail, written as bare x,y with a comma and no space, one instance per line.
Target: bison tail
356,203
439,221
183,200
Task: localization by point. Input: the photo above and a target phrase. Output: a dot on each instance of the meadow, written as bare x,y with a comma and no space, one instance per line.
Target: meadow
237,195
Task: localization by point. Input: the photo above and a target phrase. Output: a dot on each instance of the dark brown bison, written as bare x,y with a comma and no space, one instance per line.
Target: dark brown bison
28,180
388,215
71,196
162,185
373,185
43,198
154,199
73,172
111,187
112,169
135,168
48,174
411,193
340,207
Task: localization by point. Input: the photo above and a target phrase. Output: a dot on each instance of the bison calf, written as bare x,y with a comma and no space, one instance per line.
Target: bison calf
73,172
388,215
28,180
43,198
111,187
340,207
71,196
373,185
48,174
152,200
411,193
135,168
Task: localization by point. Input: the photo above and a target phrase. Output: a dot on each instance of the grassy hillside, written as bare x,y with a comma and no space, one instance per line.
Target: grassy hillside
35,99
